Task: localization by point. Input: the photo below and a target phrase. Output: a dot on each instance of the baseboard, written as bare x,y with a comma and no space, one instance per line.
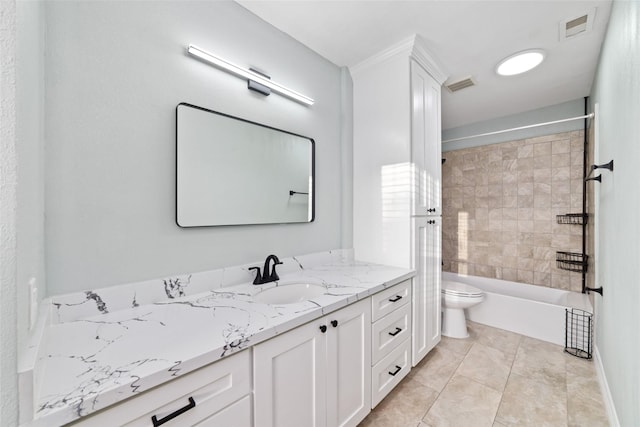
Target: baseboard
604,389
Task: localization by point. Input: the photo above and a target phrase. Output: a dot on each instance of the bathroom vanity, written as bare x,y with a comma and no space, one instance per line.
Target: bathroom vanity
201,350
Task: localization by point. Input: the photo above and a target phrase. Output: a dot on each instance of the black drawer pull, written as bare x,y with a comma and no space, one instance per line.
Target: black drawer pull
334,323
397,298
393,334
158,422
323,328
393,374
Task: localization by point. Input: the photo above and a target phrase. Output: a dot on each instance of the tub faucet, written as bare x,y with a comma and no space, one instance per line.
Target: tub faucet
267,275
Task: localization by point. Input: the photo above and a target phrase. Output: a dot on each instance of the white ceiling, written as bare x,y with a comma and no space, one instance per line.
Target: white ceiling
467,37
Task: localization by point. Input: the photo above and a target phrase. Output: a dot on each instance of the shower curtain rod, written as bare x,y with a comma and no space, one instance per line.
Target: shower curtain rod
587,116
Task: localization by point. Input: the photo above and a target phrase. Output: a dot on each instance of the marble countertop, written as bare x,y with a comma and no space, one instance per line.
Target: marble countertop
89,361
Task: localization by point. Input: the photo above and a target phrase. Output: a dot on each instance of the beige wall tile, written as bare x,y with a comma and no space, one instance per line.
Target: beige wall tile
510,274
525,163
542,226
542,176
560,160
542,149
509,194
525,175
560,146
542,279
525,276
510,201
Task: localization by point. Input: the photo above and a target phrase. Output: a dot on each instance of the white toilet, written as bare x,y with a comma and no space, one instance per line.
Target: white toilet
456,297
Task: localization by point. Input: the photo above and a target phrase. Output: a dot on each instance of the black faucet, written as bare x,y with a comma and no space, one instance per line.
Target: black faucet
267,276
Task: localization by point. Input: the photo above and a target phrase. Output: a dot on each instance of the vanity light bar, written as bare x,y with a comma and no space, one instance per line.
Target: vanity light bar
249,75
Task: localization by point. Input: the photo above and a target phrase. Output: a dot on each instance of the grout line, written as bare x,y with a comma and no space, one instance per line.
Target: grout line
508,377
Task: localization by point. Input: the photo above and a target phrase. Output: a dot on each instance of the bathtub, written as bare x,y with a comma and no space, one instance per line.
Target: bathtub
534,311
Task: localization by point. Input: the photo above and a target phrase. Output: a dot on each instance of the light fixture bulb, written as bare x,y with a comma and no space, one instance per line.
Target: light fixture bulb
520,62
248,74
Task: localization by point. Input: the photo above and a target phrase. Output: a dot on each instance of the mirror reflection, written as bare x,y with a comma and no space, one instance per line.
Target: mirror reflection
231,171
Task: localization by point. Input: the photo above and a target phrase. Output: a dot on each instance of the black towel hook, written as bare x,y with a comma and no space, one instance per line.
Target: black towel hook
608,166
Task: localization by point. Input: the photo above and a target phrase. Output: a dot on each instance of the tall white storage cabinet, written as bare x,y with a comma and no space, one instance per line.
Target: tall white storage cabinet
397,175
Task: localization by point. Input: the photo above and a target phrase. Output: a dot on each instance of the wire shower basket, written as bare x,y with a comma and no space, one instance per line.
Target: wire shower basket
571,261
578,339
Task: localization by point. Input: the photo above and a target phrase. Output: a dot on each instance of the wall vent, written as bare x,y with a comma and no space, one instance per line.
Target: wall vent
460,84
576,26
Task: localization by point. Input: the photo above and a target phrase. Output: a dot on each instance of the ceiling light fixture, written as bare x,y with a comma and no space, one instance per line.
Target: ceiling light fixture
520,62
250,75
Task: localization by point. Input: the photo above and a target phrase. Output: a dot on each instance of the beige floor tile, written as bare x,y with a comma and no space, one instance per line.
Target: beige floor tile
533,402
460,346
464,402
540,360
544,387
584,401
487,365
505,341
436,368
403,407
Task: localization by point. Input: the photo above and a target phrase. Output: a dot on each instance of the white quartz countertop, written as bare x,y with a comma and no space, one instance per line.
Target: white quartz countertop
88,363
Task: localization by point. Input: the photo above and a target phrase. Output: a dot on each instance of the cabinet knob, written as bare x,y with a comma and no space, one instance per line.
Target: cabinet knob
334,323
323,328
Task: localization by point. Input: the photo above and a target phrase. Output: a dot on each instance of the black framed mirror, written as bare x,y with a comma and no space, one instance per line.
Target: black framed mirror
232,171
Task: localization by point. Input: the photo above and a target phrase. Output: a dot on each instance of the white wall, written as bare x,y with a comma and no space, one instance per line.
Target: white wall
8,207
115,72
550,113
617,91
30,153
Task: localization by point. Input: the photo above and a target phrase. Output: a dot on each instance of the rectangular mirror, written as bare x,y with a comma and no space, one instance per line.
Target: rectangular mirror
230,171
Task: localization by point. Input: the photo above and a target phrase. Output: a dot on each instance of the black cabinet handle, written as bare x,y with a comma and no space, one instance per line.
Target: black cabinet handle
393,334
393,374
323,328
158,422
397,298
334,323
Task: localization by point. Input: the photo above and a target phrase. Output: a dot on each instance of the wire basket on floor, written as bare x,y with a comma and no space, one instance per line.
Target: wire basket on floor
578,333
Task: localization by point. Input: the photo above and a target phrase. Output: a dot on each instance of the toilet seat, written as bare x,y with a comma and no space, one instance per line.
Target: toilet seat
460,290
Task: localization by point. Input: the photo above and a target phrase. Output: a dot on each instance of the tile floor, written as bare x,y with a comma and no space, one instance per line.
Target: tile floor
494,378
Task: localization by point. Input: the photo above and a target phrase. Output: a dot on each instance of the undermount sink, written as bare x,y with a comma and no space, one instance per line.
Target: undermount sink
290,293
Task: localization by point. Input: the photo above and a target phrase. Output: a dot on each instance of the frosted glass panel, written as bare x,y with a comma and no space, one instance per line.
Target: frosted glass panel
231,171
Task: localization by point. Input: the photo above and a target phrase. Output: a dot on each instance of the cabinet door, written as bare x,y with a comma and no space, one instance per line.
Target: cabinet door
426,150
290,378
426,286
349,364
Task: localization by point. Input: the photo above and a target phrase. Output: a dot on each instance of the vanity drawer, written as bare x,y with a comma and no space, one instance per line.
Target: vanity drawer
235,415
389,331
212,388
387,373
388,300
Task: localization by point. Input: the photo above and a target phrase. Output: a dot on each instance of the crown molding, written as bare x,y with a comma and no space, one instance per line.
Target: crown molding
413,47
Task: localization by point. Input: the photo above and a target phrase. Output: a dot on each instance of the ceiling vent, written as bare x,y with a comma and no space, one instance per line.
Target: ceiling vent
460,84
577,25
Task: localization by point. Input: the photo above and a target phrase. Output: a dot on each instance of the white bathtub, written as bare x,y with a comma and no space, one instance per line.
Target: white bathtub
534,311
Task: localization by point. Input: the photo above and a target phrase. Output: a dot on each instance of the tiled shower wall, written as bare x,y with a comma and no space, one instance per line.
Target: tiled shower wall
500,203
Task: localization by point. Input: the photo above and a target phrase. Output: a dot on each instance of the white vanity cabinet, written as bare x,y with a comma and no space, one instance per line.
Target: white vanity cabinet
427,300
397,175
318,374
217,395
391,339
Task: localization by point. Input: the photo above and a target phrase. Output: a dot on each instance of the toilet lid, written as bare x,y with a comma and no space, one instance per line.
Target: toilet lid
461,289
